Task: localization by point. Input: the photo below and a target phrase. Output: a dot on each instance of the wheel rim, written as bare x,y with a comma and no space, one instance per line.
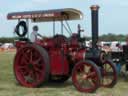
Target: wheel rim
29,67
85,77
109,74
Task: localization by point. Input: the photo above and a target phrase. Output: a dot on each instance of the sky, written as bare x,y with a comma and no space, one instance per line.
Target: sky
113,15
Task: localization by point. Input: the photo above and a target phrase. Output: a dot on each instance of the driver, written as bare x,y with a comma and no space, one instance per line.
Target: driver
34,34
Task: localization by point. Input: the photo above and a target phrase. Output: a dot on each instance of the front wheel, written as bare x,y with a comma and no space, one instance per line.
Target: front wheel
86,76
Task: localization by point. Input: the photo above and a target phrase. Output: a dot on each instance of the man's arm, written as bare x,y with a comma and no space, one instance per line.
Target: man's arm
39,35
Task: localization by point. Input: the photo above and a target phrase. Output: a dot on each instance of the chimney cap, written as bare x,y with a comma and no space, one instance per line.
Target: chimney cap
94,7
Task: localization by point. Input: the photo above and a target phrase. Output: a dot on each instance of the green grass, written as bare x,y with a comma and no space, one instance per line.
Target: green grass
9,87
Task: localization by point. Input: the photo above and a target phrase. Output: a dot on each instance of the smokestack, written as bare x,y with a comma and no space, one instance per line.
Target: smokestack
94,14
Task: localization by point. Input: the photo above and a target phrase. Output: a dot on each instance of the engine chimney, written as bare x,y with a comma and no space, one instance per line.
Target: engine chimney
94,14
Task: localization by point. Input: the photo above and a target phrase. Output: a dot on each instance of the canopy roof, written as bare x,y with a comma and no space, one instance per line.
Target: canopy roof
48,15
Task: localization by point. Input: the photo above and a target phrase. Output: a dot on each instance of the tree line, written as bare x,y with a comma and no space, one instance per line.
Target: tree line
104,37
111,37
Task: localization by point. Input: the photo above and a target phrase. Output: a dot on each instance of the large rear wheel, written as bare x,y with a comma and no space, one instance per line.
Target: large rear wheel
86,76
31,65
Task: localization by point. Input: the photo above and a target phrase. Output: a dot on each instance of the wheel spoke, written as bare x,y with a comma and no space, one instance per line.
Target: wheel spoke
86,78
82,83
29,65
108,75
92,82
37,61
107,80
87,84
80,69
90,75
109,67
24,72
32,75
22,67
26,58
31,56
87,69
38,70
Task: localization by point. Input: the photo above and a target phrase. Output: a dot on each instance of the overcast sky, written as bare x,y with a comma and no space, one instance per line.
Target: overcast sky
113,14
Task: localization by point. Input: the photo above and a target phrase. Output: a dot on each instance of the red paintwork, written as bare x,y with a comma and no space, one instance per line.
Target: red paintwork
29,64
59,63
78,55
33,15
109,73
85,77
20,44
58,57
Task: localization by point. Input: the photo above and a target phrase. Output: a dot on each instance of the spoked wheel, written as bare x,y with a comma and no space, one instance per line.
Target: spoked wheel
59,79
86,76
31,66
109,74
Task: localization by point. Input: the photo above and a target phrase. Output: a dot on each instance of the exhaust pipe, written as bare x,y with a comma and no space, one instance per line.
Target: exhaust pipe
94,15
95,54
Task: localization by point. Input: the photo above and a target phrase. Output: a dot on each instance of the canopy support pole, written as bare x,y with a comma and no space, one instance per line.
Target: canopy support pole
54,29
27,22
62,27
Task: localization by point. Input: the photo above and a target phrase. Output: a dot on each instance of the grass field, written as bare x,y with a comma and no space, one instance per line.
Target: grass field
9,87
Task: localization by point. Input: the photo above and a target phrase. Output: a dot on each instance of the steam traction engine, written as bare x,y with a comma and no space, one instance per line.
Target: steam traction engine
58,58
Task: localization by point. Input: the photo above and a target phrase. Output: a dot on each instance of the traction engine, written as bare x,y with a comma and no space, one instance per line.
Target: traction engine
58,58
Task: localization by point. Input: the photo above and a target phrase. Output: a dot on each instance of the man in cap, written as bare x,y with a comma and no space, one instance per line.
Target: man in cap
34,34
